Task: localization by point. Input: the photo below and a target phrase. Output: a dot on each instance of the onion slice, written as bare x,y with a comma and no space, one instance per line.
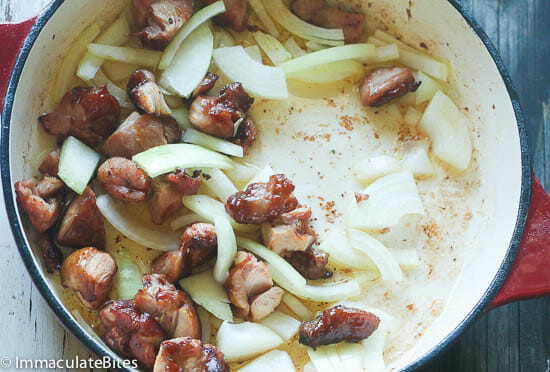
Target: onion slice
208,293
266,20
213,143
282,324
227,248
272,47
337,245
219,184
293,47
331,72
136,231
204,318
297,307
372,168
142,57
186,220
274,361
330,292
263,175
128,277
242,341
77,164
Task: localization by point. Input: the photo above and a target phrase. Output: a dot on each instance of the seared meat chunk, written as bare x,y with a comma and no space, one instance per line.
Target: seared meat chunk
262,202
250,288
89,114
50,164
170,264
90,273
289,232
207,83
386,84
139,133
52,256
82,225
185,354
159,20
165,202
145,94
217,115
353,24
246,134
306,9
171,308
311,263
124,180
42,212
187,185
338,324
131,333
49,187
235,15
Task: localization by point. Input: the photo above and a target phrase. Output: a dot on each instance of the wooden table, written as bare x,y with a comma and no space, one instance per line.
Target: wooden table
512,338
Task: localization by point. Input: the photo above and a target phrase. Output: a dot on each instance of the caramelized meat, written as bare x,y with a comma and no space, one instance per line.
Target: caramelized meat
289,232
131,333
306,9
235,15
50,164
139,133
82,225
145,94
262,202
246,134
386,84
338,324
187,185
169,264
311,263
217,115
207,83
53,259
265,303
353,24
41,212
165,202
185,354
159,20
89,114
171,308
49,187
90,273
124,180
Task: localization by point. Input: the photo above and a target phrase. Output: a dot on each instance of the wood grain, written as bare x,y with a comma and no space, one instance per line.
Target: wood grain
513,338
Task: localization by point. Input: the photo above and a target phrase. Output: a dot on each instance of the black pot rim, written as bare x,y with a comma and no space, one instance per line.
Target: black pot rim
70,324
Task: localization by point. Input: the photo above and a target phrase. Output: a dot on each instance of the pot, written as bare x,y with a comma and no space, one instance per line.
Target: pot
512,256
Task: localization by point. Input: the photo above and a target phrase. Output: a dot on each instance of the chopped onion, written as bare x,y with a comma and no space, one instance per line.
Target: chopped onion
297,307
412,117
274,361
415,160
384,53
223,39
322,57
263,176
254,52
266,20
337,245
204,318
242,341
192,23
213,143
313,46
322,361
137,231
181,115
330,292
299,27
330,72
427,89
118,71
209,208
142,57
388,39
208,293
167,158
257,79
242,173
405,257
282,324
186,220
77,164
120,94
128,277
227,248
373,168
390,198
191,62
448,130
351,356
309,367
272,47
293,47
219,184
363,277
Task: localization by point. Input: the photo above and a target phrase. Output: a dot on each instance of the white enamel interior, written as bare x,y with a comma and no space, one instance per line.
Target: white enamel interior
478,86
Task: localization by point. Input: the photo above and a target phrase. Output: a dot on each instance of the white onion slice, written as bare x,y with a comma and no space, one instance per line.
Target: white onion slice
208,293
136,56
219,184
330,292
309,367
204,318
264,17
351,356
321,360
77,164
448,130
272,47
372,168
227,248
262,176
181,115
242,341
405,257
297,307
331,72
282,324
294,48
412,117
128,276
135,230
213,143
427,89
274,361
257,79
254,52
242,173
167,158
384,53
337,245
416,160
390,198
186,220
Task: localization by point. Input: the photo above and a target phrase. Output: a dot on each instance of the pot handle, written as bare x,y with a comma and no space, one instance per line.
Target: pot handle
12,36
530,273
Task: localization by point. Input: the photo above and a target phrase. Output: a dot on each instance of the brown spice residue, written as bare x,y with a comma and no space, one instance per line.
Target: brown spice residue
346,121
431,230
314,137
330,102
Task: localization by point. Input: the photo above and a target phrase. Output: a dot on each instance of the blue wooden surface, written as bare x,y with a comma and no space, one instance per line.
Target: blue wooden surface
515,337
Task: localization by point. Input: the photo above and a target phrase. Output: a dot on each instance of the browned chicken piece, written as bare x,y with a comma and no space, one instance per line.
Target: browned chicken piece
49,187
206,85
353,24
311,263
248,280
123,179
159,20
338,324
235,15
185,354
306,9
289,232
52,256
41,212
82,225
170,264
217,115
139,133
90,273
50,164
262,202
89,114
186,184
145,94
246,134
166,200
171,308
131,333
386,84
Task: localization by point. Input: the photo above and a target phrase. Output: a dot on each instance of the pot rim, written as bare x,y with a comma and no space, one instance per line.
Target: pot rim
67,319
